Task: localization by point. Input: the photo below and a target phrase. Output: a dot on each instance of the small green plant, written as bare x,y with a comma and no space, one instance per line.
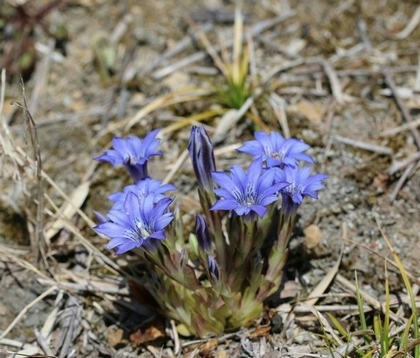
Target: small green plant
379,334
236,88
216,278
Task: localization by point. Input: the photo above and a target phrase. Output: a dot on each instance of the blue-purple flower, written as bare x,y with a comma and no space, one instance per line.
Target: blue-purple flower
142,188
247,192
138,223
133,153
202,233
202,157
301,184
213,267
275,150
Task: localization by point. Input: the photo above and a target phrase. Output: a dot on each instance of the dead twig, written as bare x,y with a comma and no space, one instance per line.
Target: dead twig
388,260
176,49
412,24
175,337
256,30
393,131
363,145
397,166
71,319
279,107
361,26
367,298
406,117
334,82
407,172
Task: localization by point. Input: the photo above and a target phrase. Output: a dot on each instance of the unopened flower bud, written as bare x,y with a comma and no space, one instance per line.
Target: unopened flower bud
202,157
213,266
202,233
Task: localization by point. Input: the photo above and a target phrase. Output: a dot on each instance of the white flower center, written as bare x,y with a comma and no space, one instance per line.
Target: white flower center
141,229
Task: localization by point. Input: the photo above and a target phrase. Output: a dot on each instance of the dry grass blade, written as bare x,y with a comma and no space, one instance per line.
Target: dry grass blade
88,284
68,209
403,109
37,242
70,327
176,49
17,155
26,350
209,47
283,67
393,131
237,46
363,145
414,21
368,298
86,243
229,120
42,342
256,30
50,321
334,81
408,287
175,337
178,164
279,107
407,172
256,118
21,262
388,260
324,322
190,120
180,96
397,166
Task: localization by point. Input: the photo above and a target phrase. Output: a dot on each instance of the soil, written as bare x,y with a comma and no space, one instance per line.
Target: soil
75,110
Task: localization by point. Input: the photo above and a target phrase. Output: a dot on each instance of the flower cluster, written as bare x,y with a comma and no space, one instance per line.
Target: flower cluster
217,278
284,155
140,213
244,193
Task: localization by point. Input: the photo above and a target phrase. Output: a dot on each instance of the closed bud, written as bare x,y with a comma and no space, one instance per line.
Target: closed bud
202,233
202,157
213,267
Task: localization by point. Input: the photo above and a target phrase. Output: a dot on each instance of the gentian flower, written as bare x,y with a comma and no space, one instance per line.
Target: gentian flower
275,150
301,184
202,232
142,188
202,157
247,192
133,153
213,266
138,223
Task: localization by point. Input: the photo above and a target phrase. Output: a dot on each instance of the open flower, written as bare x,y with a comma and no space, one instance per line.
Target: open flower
138,223
133,153
247,192
275,150
301,184
142,188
